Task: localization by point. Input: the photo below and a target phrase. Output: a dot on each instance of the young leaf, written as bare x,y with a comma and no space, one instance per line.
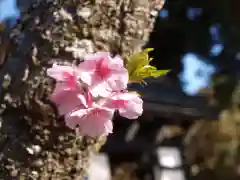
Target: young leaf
139,68
158,73
138,60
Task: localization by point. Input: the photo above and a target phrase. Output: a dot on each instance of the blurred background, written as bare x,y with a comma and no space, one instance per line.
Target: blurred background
190,128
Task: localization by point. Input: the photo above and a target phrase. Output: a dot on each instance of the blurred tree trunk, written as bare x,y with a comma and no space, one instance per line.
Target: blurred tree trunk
33,141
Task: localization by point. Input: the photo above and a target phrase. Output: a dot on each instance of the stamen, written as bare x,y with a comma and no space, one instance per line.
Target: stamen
70,79
119,103
102,69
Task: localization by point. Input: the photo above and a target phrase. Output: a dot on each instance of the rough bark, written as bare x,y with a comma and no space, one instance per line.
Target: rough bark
34,142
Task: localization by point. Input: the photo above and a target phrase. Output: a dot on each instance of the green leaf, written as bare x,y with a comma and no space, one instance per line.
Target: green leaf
159,73
139,68
149,71
138,60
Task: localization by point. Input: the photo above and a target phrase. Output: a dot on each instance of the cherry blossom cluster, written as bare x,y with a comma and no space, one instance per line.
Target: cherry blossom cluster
89,93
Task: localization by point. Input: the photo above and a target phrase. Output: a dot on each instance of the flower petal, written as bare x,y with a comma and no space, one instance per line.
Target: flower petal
96,121
116,63
97,56
57,72
134,107
129,105
103,73
119,80
132,111
67,99
73,119
102,89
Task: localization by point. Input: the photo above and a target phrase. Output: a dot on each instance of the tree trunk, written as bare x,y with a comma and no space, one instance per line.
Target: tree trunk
34,142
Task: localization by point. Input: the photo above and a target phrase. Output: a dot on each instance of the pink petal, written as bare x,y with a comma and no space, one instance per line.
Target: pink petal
119,77
97,56
95,122
103,74
134,107
129,105
133,111
69,102
119,80
88,67
73,119
116,63
67,99
96,129
57,71
56,96
90,61
101,89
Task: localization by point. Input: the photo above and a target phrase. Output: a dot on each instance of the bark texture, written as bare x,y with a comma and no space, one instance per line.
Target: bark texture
34,142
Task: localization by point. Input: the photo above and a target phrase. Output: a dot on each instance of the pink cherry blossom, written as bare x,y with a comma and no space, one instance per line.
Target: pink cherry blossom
128,104
95,121
68,99
68,93
103,74
65,74
90,93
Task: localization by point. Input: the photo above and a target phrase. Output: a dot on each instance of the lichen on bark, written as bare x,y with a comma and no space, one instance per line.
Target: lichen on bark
62,31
